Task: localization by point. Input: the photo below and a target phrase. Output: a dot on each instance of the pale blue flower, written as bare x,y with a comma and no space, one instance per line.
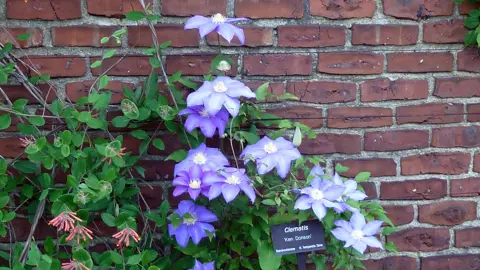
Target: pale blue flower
219,23
205,266
208,124
209,159
233,181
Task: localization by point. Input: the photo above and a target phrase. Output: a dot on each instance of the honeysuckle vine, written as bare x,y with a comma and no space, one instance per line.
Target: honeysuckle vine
78,173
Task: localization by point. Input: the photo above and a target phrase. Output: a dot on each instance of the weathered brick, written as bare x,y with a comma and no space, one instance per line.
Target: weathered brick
419,62
141,36
300,114
447,213
83,36
421,9
451,262
269,9
465,238
399,214
465,7
466,187
445,31
421,239
172,143
157,170
114,8
392,263
473,112
377,167
58,66
339,9
193,7
476,163
10,147
21,228
384,34
14,92
396,140
44,10
358,117
254,37
277,64
354,63
370,190
8,35
195,64
132,65
310,36
329,143
276,88
152,195
429,189
457,87
322,92
76,90
456,137
436,163
433,113
468,60
386,89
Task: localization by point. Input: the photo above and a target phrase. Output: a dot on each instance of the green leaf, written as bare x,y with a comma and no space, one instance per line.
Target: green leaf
178,155
36,121
109,54
103,82
120,121
362,176
158,143
5,121
319,261
245,219
250,137
471,22
56,107
23,37
267,258
269,202
129,109
287,96
389,246
340,169
134,259
20,104
4,201
149,256
44,194
135,16
388,230
167,113
25,166
108,219
140,134
261,92
471,38
84,116
96,64
104,40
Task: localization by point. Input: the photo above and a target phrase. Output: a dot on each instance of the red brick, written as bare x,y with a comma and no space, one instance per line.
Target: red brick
141,36
187,8
76,90
275,88
466,238
9,35
467,187
340,9
456,137
447,213
329,143
358,117
152,196
172,143
399,214
451,262
429,189
21,229
354,63
476,163
465,7
82,36
370,190
158,170
310,36
58,66
419,62
384,34
14,92
396,140
254,37
433,113
386,89
195,64
277,64
128,66
114,8
457,87
473,111
44,9
300,114
445,31
468,60
421,239
377,167
421,9
436,163
392,263
269,8
322,92
10,147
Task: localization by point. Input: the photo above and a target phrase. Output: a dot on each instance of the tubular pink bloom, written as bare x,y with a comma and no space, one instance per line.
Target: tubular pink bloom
74,265
124,235
65,221
81,232
26,142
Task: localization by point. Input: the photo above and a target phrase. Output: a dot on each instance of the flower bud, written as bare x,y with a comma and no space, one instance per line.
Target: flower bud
224,66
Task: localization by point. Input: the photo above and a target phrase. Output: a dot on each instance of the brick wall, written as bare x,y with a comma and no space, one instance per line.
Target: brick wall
395,92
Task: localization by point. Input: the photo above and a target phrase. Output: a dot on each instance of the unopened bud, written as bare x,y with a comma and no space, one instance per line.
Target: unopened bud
224,66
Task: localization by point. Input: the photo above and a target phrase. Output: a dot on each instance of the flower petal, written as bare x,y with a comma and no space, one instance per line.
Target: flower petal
204,215
319,209
372,228
338,207
195,172
266,164
185,206
227,31
333,193
192,122
372,242
232,105
196,22
350,186
358,221
215,191
283,166
317,171
230,192
344,225
207,128
357,195
360,246
205,29
341,234
249,191
303,203
198,97
196,233
182,236
238,89
338,180
179,191
214,103
194,193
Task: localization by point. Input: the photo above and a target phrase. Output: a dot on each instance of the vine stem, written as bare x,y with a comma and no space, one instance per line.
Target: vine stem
38,214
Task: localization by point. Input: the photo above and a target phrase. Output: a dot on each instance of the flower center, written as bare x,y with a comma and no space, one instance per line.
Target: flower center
357,235
317,194
218,18
199,159
204,113
270,148
233,180
195,183
220,87
189,220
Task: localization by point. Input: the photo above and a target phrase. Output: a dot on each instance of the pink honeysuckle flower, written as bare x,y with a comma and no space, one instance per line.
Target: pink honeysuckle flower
80,232
26,142
124,235
65,221
74,265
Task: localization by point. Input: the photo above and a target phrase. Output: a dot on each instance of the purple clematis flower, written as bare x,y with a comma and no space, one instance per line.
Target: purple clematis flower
194,225
321,195
317,171
205,266
209,159
350,186
193,182
230,184
198,117
270,153
218,23
221,92
357,233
